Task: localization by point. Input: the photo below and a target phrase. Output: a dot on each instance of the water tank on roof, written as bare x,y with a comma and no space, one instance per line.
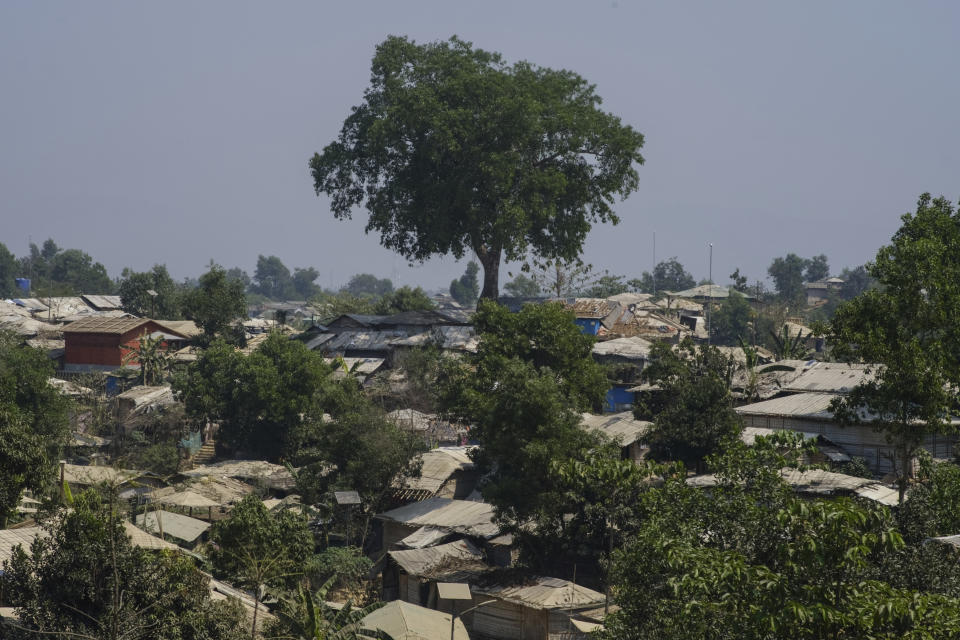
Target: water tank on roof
23,284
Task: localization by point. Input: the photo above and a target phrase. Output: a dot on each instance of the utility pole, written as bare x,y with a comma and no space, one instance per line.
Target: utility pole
653,269
710,295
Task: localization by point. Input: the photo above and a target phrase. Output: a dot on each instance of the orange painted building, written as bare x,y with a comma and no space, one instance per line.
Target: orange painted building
101,344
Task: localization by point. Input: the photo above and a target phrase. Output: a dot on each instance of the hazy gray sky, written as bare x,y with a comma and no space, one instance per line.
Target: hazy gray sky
177,132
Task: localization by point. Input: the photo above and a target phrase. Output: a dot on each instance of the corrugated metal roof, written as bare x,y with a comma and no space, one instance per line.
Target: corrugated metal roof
545,593
831,377
456,338
461,516
24,536
83,475
272,475
417,562
813,406
634,348
590,307
622,426
175,525
103,303
405,621
362,341
112,326
425,537
822,483
438,465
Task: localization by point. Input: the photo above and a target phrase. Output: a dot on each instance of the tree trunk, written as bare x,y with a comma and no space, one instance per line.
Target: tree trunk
490,260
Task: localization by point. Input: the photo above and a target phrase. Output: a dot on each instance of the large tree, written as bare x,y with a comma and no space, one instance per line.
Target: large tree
216,302
136,298
454,150
9,270
908,326
85,580
33,422
668,275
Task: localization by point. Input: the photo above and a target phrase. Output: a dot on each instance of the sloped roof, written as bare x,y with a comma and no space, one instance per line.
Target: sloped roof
362,340
438,465
831,377
813,406
622,426
822,483
460,516
452,337
103,303
175,525
405,621
590,307
111,326
10,538
417,562
633,347
273,475
83,475
187,498
544,593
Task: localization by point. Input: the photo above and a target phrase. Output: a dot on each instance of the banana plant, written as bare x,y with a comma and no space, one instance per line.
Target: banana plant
314,619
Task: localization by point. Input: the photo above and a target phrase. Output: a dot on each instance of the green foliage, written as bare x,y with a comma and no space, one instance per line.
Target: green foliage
789,347
258,548
563,279
404,299
368,285
332,305
787,274
453,150
817,268
668,275
466,288
739,282
693,412
135,299
607,285
855,282
260,398
358,450
523,286
731,320
272,278
152,357
9,271
907,326
523,391
56,271
339,566
86,580
215,303
33,422
304,287
309,617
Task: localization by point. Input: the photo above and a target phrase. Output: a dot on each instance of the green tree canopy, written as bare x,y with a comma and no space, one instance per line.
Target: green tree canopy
9,271
668,275
523,390
368,285
523,286
404,299
33,423
134,296
466,288
86,580
272,278
731,320
304,282
454,150
693,414
215,303
77,271
787,274
907,325
817,268
260,398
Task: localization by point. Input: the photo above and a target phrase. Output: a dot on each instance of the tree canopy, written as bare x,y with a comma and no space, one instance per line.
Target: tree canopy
136,299
216,302
454,150
466,288
668,275
907,326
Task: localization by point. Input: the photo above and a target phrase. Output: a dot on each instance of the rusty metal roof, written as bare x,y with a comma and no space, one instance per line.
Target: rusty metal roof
590,307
